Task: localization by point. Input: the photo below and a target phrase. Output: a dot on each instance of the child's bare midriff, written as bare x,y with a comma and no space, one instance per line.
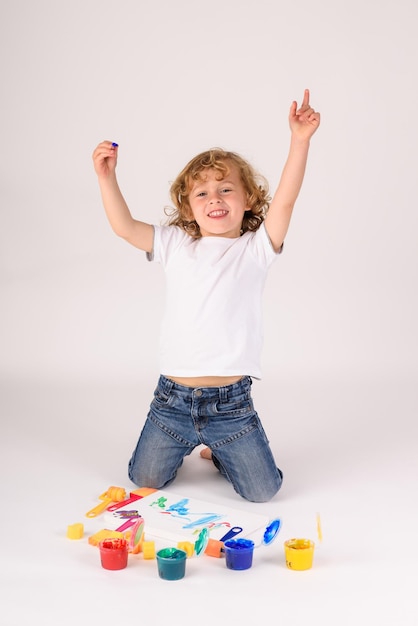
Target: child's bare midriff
205,381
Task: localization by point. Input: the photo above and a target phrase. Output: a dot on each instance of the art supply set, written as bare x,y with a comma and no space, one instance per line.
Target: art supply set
170,528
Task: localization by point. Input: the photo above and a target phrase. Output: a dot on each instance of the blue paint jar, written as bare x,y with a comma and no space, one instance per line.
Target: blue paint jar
239,553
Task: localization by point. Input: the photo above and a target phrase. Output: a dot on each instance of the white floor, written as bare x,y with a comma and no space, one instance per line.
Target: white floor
348,450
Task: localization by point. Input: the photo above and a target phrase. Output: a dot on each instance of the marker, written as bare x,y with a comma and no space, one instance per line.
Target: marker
115,145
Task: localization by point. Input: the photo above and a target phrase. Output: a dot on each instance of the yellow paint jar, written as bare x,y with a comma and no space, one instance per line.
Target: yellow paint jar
299,553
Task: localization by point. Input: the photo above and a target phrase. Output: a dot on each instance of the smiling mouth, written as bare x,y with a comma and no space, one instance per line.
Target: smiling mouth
218,213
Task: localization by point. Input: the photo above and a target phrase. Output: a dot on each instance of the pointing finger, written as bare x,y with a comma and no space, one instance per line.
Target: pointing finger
305,102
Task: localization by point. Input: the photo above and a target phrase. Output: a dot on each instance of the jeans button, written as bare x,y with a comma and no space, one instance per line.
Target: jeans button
198,393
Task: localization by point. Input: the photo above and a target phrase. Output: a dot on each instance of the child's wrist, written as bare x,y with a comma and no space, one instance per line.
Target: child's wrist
107,179
299,141
300,144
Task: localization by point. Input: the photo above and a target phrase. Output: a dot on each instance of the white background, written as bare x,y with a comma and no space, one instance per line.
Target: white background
80,309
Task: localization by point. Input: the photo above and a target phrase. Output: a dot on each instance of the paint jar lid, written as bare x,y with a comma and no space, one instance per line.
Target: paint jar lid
271,532
201,542
137,533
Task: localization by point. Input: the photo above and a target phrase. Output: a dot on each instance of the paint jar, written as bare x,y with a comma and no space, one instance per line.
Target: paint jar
299,553
114,553
239,553
171,563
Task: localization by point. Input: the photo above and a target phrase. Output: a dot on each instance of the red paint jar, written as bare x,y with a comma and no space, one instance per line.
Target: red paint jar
114,553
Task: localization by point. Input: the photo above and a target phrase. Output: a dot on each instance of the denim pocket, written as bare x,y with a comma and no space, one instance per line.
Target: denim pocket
161,398
237,407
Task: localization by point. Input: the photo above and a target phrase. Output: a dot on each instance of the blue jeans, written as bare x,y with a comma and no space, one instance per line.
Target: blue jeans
222,418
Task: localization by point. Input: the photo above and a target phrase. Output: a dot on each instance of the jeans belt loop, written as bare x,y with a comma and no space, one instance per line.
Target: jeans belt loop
223,394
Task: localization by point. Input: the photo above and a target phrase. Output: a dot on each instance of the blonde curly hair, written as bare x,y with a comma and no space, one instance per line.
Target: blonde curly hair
255,185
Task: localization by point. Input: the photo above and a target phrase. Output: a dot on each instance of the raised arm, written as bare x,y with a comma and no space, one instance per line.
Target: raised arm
303,123
139,234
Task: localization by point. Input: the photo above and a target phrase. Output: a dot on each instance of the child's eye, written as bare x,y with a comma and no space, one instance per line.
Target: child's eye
226,190
201,194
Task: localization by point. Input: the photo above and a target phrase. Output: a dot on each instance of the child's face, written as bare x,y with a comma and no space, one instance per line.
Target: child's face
218,206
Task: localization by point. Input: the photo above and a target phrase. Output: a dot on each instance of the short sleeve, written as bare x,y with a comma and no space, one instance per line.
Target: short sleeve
166,240
262,247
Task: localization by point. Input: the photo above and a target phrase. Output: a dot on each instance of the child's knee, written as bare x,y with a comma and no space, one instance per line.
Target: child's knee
262,493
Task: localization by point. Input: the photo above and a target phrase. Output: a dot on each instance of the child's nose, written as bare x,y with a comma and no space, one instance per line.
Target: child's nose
214,198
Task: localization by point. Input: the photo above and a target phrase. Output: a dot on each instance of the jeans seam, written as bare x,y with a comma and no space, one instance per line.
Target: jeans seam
231,438
168,431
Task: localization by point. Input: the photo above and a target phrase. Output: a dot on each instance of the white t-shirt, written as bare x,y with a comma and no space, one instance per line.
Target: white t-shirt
212,324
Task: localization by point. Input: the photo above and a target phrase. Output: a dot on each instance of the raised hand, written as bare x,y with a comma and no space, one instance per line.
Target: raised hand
304,120
105,158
